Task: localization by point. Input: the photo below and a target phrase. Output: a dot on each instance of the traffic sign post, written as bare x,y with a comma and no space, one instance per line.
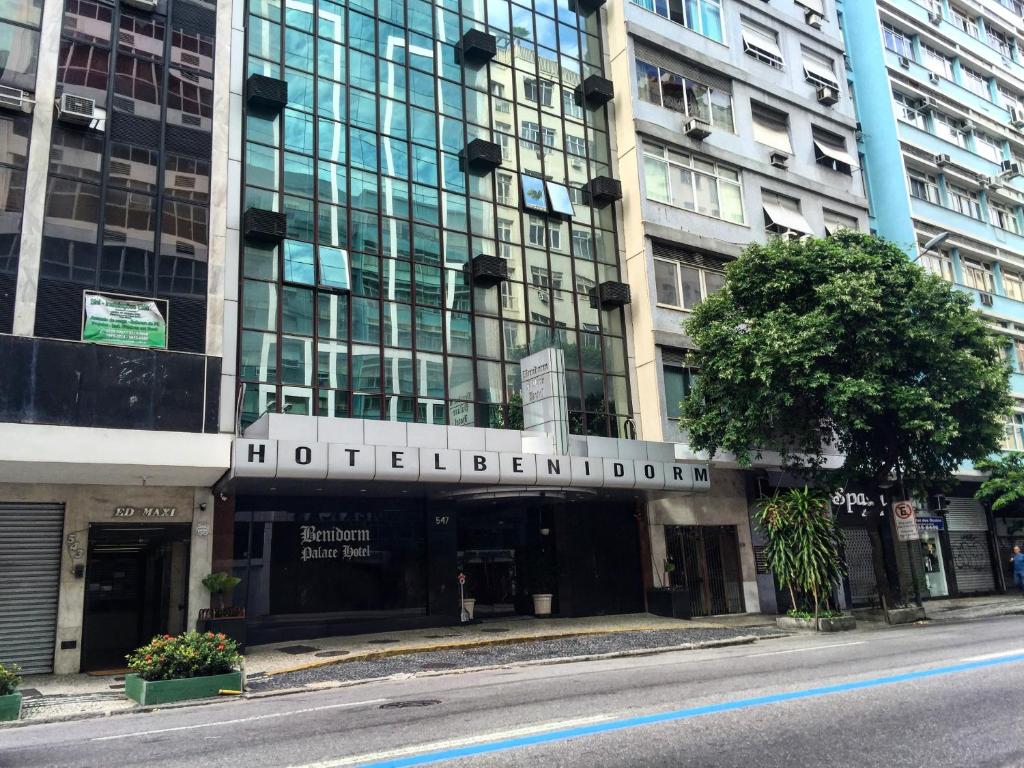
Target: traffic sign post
906,530
462,597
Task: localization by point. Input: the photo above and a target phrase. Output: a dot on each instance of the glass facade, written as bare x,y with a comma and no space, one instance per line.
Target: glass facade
128,195
367,308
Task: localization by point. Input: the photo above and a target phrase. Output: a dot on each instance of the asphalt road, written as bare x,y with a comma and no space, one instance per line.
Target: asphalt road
921,696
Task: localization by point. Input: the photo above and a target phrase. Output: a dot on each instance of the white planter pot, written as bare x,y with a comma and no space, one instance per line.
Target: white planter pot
542,605
468,604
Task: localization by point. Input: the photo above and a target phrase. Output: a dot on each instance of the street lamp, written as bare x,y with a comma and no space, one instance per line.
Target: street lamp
931,245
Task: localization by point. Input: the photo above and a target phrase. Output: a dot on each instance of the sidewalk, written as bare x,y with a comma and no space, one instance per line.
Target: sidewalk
48,697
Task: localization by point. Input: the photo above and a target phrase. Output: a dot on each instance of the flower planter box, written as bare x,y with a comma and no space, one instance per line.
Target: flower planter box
10,706
181,689
840,624
669,601
233,627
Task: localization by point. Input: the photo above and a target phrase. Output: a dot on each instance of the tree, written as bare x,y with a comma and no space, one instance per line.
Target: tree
841,345
1005,484
802,544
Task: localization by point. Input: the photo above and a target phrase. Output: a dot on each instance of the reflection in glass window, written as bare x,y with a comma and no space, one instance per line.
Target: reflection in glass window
560,200
299,265
534,196
334,268
20,47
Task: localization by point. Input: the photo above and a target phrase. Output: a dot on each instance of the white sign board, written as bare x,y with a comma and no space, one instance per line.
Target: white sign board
545,401
906,521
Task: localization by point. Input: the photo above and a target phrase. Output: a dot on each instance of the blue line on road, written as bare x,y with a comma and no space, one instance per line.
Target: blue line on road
683,714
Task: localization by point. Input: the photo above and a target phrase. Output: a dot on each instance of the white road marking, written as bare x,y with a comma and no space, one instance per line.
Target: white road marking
372,757
999,655
219,723
809,648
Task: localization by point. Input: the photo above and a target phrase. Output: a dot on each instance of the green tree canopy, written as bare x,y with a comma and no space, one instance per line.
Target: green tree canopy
1005,484
842,345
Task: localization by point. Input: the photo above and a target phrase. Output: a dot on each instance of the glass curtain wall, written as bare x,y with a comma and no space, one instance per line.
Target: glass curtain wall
364,161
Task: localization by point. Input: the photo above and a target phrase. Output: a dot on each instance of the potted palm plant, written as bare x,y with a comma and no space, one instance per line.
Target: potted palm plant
192,665
803,549
220,617
10,699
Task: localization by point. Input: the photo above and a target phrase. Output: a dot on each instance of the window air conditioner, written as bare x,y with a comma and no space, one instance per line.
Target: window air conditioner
932,77
15,99
813,19
696,128
986,298
142,5
904,62
935,17
942,160
779,159
1010,167
76,109
1016,117
827,95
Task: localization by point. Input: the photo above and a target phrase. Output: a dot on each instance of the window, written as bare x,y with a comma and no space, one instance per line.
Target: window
1013,287
897,41
702,16
693,182
978,275
534,196
1014,437
782,214
762,43
923,186
937,63
906,110
819,70
988,147
575,145
771,127
668,89
683,286
938,264
975,82
1004,217
837,221
950,129
504,189
561,203
679,381
965,22
830,151
964,201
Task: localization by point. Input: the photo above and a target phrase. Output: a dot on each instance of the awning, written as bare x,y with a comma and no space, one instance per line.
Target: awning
834,153
818,6
786,219
816,71
762,43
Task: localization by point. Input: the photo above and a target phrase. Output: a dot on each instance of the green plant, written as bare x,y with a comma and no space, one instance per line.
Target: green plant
220,584
190,654
1005,484
803,543
822,614
9,679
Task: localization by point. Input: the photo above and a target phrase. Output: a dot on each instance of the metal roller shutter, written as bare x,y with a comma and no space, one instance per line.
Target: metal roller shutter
860,568
30,539
968,540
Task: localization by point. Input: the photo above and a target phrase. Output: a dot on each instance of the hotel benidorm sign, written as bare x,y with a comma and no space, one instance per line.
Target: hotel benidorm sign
335,461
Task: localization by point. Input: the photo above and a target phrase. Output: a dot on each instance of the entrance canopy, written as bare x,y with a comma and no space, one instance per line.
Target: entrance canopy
294,453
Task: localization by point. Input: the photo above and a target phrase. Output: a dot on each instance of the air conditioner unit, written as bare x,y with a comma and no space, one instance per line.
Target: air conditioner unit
1016,117
827,95
942,160
15,99
904,62
935,17
76,109
989,182
779,159
696,128
932,77
986,298
142,5
1010,167
813,19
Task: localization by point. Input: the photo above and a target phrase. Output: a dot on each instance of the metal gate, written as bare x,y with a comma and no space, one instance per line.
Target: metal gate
969,545
30,539
860,570
707,563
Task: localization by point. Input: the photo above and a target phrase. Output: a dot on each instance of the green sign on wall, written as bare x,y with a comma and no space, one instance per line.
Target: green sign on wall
124,321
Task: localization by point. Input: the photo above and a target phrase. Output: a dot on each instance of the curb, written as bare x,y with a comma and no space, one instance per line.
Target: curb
331,685
455,646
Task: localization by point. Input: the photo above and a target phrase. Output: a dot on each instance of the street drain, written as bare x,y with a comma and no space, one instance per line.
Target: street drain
407,704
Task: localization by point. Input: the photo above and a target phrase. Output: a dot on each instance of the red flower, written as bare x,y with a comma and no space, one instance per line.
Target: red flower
221,636
149,657
220,647
209,634
168,637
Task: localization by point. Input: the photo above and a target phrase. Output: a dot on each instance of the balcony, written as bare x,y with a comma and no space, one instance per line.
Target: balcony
947,218
954,92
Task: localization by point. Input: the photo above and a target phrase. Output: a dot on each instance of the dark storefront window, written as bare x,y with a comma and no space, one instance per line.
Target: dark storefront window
364,161
340,559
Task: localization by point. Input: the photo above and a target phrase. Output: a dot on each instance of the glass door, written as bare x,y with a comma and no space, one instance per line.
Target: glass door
934,567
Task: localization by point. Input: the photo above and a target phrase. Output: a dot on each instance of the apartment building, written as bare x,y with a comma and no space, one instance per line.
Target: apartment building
939,88
734,123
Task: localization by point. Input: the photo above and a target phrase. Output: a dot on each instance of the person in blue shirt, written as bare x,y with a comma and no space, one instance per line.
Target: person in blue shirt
1018,568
